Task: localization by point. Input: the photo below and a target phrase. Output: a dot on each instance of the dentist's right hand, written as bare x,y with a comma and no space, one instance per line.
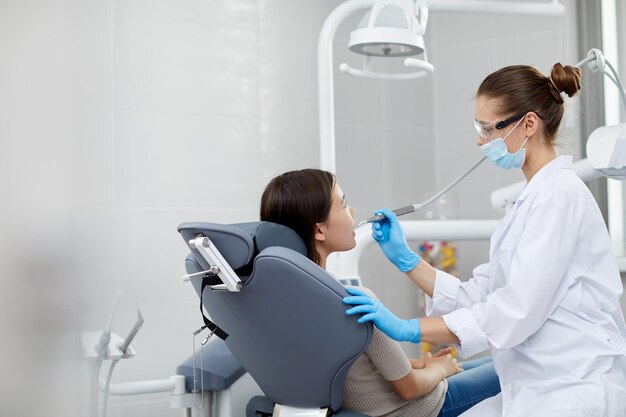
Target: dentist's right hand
390,237
387,322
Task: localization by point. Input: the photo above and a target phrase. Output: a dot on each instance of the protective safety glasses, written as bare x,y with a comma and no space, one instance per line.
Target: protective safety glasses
486,129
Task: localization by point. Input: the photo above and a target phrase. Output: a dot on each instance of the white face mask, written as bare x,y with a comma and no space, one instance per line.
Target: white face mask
497,152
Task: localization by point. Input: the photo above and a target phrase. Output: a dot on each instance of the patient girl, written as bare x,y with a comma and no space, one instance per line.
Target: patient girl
382,381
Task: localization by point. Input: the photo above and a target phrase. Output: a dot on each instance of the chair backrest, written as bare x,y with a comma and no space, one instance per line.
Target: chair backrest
287,326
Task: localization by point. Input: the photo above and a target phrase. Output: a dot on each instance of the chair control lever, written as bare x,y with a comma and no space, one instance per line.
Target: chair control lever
214,270
217,265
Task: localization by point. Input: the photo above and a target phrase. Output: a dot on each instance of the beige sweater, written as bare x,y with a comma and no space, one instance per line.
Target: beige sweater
368,391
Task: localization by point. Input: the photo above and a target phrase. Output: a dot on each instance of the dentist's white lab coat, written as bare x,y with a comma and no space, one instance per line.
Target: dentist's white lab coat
546,304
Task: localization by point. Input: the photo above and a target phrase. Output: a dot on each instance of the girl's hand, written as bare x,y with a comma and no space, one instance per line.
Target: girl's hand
449,364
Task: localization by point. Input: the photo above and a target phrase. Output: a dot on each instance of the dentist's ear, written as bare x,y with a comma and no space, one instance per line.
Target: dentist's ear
531,123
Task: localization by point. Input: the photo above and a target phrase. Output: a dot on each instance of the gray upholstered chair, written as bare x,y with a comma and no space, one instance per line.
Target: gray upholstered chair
287,325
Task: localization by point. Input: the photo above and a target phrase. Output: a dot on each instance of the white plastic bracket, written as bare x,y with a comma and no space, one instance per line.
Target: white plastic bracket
424,66
217,263
90,340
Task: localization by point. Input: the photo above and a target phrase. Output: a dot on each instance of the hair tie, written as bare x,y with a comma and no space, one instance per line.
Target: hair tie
554,85
555,91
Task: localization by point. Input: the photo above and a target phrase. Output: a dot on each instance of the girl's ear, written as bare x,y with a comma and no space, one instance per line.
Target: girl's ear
320,232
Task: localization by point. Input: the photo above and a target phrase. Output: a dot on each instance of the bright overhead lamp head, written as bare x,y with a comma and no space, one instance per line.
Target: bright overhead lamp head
386,42
390,29
606,151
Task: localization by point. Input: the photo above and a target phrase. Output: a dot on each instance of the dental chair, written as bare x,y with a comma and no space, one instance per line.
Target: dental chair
279,314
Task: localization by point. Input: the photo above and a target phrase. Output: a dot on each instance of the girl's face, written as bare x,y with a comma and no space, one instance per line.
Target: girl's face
336,233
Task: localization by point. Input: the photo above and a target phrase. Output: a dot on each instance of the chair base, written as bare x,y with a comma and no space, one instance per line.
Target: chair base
260,406
287,411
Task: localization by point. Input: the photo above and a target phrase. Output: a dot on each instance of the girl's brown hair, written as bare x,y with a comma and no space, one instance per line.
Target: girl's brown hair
299,200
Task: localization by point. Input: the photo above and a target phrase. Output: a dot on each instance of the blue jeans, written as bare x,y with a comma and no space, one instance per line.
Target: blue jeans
477,382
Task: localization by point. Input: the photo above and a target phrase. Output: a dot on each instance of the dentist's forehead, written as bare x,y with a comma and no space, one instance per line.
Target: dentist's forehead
486,109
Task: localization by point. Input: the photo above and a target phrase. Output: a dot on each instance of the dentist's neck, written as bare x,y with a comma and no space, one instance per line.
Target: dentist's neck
540,156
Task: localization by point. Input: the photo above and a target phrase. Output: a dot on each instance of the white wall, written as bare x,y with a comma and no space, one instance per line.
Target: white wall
120,119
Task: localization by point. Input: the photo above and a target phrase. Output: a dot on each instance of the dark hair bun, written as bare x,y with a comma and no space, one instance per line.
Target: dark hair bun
566,79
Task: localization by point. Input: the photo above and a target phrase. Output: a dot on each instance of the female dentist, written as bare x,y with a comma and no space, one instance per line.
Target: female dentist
547,302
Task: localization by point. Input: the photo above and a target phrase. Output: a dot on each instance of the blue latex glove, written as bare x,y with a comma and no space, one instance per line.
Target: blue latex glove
373,310
390,237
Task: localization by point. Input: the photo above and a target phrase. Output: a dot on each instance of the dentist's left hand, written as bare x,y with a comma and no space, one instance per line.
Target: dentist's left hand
373,310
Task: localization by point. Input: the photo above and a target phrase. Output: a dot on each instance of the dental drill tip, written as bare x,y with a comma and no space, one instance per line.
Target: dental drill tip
361,223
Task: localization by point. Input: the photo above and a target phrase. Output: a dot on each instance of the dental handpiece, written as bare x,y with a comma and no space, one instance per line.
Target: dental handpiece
410,209
398,212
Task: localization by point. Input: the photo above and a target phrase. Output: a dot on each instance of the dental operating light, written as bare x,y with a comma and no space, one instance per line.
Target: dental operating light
606,146
390,30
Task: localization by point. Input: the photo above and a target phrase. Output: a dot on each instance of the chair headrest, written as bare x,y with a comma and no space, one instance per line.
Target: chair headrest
240,243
